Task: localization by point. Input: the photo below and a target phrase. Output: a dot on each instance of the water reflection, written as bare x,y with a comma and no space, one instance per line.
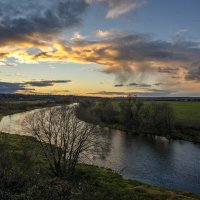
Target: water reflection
154,160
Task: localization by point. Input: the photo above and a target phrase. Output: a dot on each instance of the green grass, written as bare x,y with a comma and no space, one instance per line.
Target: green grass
186,111
93,182
107,181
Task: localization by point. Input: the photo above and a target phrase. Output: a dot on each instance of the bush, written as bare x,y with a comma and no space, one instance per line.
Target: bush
157,118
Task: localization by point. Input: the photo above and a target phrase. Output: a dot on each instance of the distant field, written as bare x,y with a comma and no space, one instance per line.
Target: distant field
186,110
27,102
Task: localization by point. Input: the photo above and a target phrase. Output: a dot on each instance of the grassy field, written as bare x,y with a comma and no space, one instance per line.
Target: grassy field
24,182
186,111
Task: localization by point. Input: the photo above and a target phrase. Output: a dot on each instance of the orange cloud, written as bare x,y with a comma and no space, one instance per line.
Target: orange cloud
129,57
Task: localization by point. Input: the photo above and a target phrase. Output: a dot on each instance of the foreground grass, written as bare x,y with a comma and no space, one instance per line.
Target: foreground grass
29,178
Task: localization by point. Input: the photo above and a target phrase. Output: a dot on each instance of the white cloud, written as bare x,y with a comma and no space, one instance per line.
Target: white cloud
181,34
7,64
18,75
107,33
119,7
77,36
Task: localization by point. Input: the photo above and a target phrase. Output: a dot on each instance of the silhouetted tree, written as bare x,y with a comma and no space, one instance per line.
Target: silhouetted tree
64,139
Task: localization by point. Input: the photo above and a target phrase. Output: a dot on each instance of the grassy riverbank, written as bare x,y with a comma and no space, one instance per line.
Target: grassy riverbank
186,133
24,175
16,106
186,119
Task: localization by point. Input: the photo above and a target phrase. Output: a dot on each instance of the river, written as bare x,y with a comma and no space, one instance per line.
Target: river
154,160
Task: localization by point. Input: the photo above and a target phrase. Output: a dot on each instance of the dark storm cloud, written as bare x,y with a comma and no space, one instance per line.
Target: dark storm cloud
158,84
11,88
168,70
2,54
26,17
193,75
119,85
131,54
151,50
45,83
139,52
139,85
142,85
7,87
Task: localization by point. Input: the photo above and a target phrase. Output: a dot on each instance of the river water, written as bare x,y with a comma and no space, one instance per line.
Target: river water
155,160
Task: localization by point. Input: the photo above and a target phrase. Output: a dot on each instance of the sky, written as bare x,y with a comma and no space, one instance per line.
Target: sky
100,47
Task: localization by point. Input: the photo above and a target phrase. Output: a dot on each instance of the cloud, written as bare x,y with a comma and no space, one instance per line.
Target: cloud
168,70
158,84
77,36
113,33
181,34
142,85
8,87
151,93
55,92
20,20
128,57
7,64
108,93
193,74
11,88
18,75
45,83
119,7
60,91
119,85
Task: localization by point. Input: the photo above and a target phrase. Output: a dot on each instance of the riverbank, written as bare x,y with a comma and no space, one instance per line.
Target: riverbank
29,178
186,130
161,122
16,106
183,133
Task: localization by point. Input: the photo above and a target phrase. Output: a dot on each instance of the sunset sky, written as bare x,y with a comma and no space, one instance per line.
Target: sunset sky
100,47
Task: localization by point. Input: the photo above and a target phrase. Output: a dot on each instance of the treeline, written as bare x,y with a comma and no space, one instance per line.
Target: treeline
8,107
130,115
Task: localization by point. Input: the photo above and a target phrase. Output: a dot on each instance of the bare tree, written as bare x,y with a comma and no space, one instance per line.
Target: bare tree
65,140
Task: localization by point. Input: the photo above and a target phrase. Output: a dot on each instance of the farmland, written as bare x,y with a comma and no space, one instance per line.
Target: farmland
184,111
